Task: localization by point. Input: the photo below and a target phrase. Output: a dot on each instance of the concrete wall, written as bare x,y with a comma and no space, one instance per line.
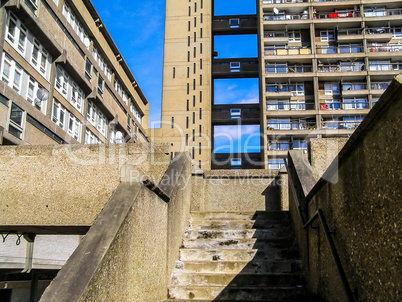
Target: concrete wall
129,252
359,195
230,190
69,185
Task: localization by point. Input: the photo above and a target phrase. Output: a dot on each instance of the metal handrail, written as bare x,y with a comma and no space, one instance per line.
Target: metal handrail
320,215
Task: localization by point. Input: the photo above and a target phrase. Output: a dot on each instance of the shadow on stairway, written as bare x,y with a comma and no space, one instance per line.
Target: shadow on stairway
239,256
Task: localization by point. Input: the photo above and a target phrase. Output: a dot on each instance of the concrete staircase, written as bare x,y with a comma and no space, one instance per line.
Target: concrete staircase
238,256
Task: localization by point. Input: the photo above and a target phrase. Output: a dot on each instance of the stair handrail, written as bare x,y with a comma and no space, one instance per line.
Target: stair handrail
320,215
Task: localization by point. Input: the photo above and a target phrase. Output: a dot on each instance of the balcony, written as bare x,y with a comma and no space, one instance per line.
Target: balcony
285,90
350,34
281,145
284,1
338,14
336,125
341,49
378,34
342,67
235,68
284,68
286,50
288,105
378,88
346,104
236,114
297,125
385,47
283,16
372,12
353,88
395,68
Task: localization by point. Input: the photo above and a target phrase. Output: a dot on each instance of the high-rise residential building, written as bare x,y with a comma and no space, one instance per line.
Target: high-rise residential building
63,80
321,66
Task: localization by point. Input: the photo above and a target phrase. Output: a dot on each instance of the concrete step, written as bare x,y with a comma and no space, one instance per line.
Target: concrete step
235,224
223,293
273,232
259,215
237,254
183,278
250,243
241,266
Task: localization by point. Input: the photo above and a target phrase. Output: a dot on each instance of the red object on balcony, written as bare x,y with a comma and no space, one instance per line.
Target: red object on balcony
333,15
323,106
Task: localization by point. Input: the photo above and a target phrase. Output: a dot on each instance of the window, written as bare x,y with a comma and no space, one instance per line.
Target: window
200,113
235,114
96,118
186,139
187,105
193,136
327,35
294,36
200,96
91,138
59,114
275,163
16,124
36,95
195,21
200,48
200,63
102,63
234,66
69,89
234,23
201,17
193,117
188,72
186,122
235,162
199,148
188,88
193,100
331,88
120,91
172,125
200,32
200,131
397,32
11,73
101,84
88,68
174,72
74,127
16,34
75,24
136,113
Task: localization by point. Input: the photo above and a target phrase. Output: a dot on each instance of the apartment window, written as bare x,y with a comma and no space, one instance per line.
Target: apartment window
187,105
188,72
193,84
188,40
331,88
189,26
200,130
69,89
297,89
201,17
186,122
174,72
327,35
136,113
195,21
188,88
188,56
39,58
172,122
200,63
101,84
200,113
193,117
11,73
96,118
102,63
59,114
192,152
397,32
193,136
16,34
16,124
189,11
186,139
200,32
275,163
75,24
199,148
202,4
193,100
200,48
194,68
120,91
74,127
200,79
195,7
195,52
91,138
199,164
294,36
34,91
200,96
195,37
88,68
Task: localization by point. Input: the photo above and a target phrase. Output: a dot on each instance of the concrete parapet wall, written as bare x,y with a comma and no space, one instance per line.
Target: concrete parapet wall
69,184
360,195
226,190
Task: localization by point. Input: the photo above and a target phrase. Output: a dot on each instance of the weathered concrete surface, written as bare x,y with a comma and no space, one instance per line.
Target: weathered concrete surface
231,190
360,196
322,152
69,184
129,252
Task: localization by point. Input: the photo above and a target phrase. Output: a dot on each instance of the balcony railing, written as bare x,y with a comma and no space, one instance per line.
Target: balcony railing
272,51
283,1
339,49
283,68
336,15
350,31
282,16
353,86
275,34
294,89
340,68
278,146
384,47
333,125
384,66
370,12
297,125
380,85
345,105
285,106
377,30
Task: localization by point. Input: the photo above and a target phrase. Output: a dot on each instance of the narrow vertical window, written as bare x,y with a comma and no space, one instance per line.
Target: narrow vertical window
188,41
195,37
194,68
193,117
202,4
188,56
200,130
188,105
195,7
200,63
195,21
186,139
186,122
193,100
172,122
193,135
174,72
193,151
189,11
200,113
188,88
195,52
188,72
189,26
201,17
200,96
199,148
200,79
200,32
193,84
199,164
201,48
